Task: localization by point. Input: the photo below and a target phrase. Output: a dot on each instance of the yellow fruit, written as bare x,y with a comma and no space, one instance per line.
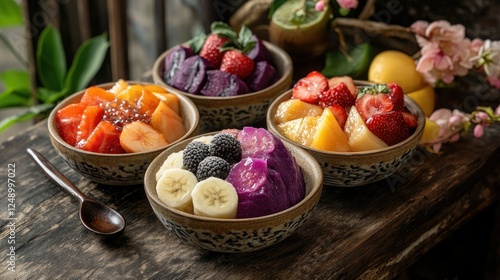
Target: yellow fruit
431,131
425,97
141,137
166,121
360,137
295,109
395,67
328,135
299,130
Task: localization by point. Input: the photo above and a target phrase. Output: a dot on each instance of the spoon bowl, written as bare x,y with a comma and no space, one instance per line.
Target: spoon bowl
94,215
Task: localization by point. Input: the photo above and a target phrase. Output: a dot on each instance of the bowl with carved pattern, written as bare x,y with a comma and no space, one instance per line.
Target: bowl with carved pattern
119,169
236,111
239,233
356,168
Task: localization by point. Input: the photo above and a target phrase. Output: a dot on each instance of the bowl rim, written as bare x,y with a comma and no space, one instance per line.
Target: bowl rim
54,133
288,67
316,169
416,134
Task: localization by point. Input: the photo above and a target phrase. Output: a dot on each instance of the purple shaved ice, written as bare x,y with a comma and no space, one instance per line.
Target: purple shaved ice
260,143
260,189
192,74
221,83
173,61
263,76
259,52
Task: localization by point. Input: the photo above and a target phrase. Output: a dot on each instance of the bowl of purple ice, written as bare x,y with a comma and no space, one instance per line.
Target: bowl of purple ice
276,187
226,99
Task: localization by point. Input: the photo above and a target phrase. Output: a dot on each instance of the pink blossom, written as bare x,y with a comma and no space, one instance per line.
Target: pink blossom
320,5
497,111
348,4
478,131
495,82
445,52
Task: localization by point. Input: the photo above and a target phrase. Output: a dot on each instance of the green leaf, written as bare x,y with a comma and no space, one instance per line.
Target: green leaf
196,43
223,29
17,91
355,64
27,115
50,58
11,13
51,96
87,61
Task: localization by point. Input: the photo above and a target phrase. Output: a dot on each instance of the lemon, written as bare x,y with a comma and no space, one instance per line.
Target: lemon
425,98
304,39
395,67
431,131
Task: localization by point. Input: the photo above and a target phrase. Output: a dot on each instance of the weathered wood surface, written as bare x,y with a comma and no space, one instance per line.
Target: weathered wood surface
371,232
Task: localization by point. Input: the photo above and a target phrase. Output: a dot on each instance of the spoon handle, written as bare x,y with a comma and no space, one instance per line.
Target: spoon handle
56,176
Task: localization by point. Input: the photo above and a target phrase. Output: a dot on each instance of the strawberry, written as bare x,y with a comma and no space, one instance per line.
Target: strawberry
374,100
211,49
391,127
105,138
410,120
340,114
396,95
348,81
237,63
67,120
337,95
309,88
91,117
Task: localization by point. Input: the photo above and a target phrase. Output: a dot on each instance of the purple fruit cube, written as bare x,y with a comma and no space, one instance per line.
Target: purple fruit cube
220,83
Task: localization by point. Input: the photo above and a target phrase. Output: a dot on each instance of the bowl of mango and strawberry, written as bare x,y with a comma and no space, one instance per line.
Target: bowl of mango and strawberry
110,133
231,77
359,132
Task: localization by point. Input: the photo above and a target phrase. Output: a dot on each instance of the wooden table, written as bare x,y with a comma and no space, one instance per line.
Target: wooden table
370,232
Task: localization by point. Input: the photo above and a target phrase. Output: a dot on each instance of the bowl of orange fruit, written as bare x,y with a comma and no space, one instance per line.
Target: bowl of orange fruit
359,132
231,77
110,132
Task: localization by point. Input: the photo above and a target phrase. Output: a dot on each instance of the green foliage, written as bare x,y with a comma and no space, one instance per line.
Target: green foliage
10,13
355,64
57,81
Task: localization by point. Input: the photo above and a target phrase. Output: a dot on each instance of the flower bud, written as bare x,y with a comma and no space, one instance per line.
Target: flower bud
481,116
455,120
478,131
319,6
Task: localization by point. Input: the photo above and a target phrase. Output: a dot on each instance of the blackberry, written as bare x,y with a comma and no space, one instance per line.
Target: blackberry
119,112
213,166
193,154
226,146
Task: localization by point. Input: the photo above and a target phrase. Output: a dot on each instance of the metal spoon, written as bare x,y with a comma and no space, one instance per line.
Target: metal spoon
94,215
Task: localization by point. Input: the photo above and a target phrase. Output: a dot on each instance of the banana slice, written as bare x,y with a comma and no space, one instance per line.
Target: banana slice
138,136
174,188
204,139
174,160
216,198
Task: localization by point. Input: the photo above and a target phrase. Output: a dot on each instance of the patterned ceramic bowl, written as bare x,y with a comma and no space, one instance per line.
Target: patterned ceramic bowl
217,113
236,235
118,169
349,169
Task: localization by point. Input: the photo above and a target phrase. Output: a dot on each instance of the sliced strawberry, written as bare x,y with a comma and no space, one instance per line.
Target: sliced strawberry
309,88
348,81
91,117
237,63
391,127
337,95
211,49
396,95
372,104
67,120
410,120
96,95
340,114
105,138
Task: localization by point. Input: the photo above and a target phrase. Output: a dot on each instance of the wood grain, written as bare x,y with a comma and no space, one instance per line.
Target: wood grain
375,231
